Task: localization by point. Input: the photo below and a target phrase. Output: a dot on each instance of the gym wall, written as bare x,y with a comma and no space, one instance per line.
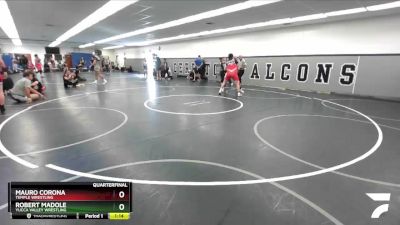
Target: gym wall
375,35
371,44
367,75
40,51
137,64
32,49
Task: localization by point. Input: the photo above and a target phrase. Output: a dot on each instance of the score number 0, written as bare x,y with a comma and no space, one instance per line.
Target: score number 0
121,194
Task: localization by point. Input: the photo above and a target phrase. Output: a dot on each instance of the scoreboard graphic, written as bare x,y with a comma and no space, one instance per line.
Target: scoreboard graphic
46,200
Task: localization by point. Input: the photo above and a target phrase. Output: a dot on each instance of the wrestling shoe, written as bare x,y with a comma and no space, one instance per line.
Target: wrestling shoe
220,91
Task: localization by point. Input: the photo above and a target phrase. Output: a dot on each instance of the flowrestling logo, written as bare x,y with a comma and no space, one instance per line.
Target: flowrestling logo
379,197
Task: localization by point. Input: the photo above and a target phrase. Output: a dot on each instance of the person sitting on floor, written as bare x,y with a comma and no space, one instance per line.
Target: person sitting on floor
37,85
15,65
130,69
23,92
196,74
200,68
70,78
191,75
81,64
77,72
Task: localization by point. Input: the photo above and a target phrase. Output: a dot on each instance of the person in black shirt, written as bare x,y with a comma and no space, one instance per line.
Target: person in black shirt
23,62
158,67
222,69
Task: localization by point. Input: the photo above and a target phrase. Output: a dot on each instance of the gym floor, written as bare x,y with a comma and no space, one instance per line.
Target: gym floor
317,155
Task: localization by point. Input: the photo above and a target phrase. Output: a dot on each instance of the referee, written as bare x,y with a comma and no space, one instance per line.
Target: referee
242,67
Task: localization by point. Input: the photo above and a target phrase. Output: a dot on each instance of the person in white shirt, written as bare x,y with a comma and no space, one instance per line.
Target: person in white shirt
23,91
242,67
98,70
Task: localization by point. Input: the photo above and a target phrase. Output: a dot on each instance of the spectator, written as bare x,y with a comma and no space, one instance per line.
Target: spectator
15,65
71,78
37,85
130,69
53,63
38,65
162,69
165,73
3,76
77,72
192,73
199,68
145,69
23,61
106,64
91,67
46,65
158,67
81,64
23,92
98,70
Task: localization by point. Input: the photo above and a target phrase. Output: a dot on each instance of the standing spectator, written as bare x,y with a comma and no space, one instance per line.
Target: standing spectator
166,72
202,70
199,64
3,76
242,65
106,64
112,65
46,65
81,64
38,65
15,65
52,63
164,69
23,62
91,67
23,92
158,67
145,69
98,70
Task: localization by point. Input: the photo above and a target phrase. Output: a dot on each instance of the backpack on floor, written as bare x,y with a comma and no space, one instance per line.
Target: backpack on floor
8,84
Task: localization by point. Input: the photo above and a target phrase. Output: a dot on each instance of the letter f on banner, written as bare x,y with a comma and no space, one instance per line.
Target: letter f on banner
379,197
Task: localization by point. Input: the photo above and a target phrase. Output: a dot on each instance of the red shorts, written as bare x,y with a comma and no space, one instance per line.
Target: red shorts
38,66
235,77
